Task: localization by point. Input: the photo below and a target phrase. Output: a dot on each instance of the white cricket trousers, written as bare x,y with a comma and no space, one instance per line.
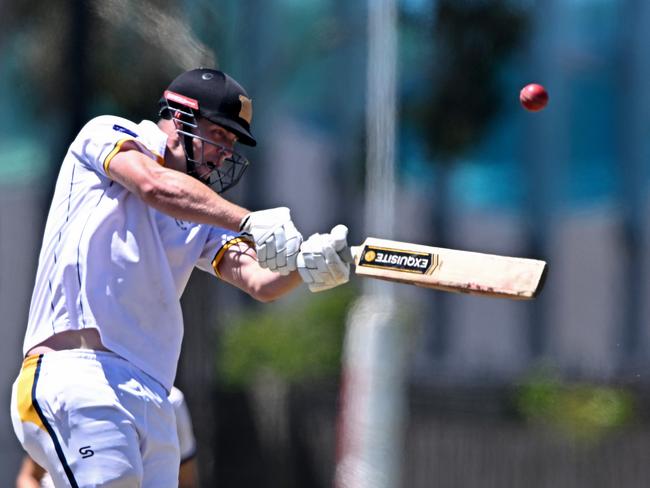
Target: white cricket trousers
91,418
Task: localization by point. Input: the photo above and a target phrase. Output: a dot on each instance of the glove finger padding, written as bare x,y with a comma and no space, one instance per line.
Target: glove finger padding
315,288
305,263
260,250
339,235
335,266
293,240
280,246
266,254
319,264
270,248
277,241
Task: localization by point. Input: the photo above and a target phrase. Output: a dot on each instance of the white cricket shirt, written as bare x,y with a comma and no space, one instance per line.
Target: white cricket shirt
110,262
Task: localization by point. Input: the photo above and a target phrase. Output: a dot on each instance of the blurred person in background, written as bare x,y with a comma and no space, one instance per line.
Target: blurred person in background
135,209
31,475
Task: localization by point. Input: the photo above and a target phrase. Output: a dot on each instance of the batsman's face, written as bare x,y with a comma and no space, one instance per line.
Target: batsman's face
212,158
223,143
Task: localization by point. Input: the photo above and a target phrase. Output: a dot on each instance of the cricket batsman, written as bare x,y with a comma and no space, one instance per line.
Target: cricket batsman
136,208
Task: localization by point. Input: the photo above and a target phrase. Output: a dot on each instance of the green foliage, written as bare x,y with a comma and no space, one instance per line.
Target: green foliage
583,411
297,342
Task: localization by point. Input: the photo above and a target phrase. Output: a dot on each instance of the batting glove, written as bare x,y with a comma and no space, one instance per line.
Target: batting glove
319,262
277,241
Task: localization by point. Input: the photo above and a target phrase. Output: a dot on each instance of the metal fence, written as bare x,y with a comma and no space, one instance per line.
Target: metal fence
455,438
483,453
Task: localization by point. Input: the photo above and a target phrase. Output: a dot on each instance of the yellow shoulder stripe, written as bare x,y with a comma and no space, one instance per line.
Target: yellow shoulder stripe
225,247
118,147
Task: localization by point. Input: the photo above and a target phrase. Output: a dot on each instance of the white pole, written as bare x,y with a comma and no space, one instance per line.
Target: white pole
372,395
380,117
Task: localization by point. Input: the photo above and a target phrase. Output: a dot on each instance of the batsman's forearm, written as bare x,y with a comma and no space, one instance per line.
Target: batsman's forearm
269,286
240,268
186,198
174,192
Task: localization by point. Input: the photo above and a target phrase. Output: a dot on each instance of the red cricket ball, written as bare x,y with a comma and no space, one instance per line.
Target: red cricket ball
533,97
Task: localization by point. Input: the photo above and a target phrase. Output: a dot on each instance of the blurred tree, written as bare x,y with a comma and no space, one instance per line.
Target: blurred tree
138,47
455,104
109,55
471,39
583,411
297,342
43,30
52,90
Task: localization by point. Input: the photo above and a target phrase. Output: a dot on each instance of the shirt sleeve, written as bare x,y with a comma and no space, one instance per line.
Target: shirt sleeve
218,242
103,137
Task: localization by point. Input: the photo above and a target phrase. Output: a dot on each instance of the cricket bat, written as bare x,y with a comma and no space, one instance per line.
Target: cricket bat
449,269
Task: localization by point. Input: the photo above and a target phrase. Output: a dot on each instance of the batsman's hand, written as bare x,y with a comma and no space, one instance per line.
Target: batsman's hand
319,262
277,241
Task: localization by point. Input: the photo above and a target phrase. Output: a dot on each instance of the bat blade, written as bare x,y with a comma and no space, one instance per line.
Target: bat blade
450,269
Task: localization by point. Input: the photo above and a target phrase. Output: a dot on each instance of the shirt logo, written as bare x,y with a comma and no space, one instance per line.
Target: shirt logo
182,224
119,128
86,452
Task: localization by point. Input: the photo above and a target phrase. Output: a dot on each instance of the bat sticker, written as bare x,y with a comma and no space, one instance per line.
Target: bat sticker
400,260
